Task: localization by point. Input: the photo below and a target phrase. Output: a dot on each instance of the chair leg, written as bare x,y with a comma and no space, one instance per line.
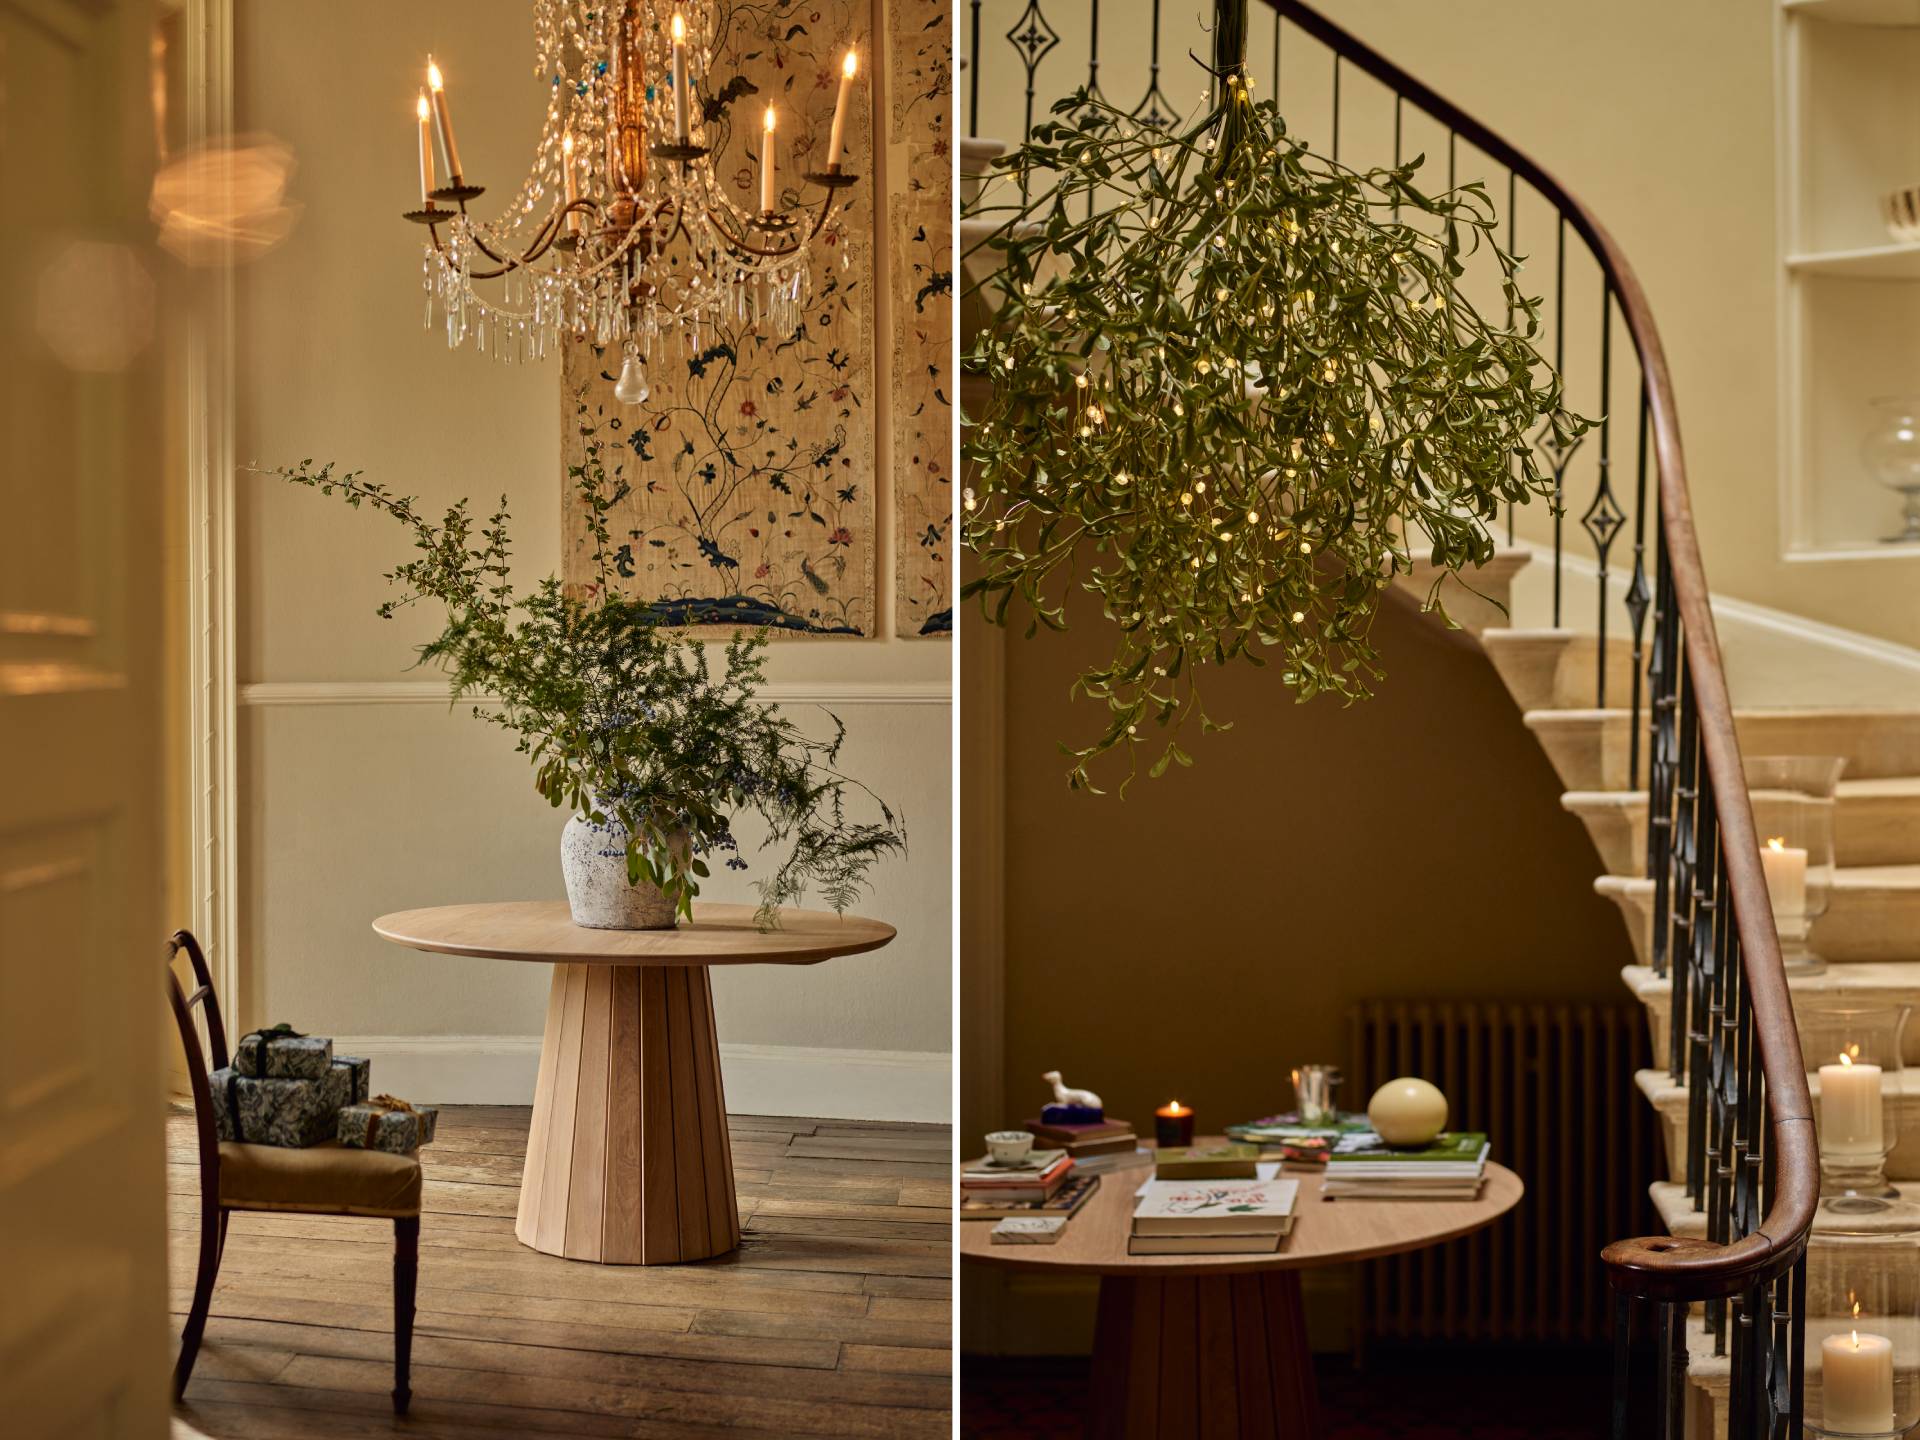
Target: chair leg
221,1252
213,1229
406,1271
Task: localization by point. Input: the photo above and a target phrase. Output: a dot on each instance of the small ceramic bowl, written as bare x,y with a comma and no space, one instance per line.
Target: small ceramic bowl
1010,1147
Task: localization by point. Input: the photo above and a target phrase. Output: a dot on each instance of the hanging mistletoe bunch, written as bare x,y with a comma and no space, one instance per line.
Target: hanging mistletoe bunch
1234,387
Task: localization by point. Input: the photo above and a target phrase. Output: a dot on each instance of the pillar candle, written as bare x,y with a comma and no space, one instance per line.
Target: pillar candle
679,78
1856,1383
1173,1124
426,148
847,69
443,123
1785,867
1850,1112
766,165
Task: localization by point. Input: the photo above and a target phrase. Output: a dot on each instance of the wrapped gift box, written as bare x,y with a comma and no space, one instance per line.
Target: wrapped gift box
378,1125
283,1053
291,1113
359,1072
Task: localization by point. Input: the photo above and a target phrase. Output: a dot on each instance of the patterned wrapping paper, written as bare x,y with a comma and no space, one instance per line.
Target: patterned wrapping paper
283,1055
359,1071
290,1113
378,1127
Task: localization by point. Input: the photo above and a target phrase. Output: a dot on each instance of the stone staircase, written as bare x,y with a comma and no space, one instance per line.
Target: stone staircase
1870,935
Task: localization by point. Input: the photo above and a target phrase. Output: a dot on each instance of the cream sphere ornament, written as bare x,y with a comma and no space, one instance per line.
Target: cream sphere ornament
1407,1111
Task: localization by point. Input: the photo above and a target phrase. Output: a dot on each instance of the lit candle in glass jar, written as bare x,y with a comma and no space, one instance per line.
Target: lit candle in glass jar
1851,1121
1856,1382
1785,867
1173,1124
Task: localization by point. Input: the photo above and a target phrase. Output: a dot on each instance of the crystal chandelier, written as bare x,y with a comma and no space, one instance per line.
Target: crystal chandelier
621,233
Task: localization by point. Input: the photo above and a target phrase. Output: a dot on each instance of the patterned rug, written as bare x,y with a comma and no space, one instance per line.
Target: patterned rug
1435,1393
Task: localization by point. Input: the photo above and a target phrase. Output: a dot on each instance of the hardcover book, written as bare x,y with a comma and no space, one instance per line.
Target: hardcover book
989,1171
1203,1244
1207,1162
1064,1201
1215,1207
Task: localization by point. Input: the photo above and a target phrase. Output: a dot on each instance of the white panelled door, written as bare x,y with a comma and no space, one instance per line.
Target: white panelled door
83,1277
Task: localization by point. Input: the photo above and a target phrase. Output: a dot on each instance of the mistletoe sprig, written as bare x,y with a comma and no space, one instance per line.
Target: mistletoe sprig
1233,386
623,720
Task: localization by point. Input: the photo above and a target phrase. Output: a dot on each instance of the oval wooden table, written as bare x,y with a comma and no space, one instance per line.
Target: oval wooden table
627,1154
1216,1345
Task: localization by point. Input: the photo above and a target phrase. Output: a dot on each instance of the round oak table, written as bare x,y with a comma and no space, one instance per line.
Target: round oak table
627,1154
1216,1345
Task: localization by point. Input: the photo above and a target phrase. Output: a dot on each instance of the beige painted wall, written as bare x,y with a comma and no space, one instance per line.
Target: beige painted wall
1660,117
349,810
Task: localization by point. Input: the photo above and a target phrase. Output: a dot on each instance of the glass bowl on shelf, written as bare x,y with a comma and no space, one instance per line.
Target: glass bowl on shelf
1793,810
1863,1333
1891,453
1857,1078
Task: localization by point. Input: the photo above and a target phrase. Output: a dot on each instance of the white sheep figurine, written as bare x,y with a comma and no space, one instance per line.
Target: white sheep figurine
1085,1099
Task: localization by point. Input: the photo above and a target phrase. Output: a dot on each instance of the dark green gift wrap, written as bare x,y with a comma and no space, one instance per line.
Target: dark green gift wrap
283,1053
264,1110
387,1123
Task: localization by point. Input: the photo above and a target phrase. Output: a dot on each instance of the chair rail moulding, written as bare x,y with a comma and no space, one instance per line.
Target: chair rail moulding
434,692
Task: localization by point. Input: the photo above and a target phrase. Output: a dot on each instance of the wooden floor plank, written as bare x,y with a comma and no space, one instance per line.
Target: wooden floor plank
832,1319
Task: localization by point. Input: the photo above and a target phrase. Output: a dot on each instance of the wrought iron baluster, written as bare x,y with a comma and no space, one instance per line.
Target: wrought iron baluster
1603,518
1559,368
1638,597
1513,245
973,60
1034,39
1148,111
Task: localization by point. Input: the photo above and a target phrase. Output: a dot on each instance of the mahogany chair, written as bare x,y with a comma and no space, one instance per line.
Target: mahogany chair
325,1179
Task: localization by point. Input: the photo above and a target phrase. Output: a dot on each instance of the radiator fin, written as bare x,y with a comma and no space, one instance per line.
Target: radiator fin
1552,1085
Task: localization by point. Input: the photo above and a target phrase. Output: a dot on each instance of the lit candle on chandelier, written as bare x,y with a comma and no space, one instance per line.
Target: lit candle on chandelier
848,68
426,148
573,185
766,165
443,123
679,78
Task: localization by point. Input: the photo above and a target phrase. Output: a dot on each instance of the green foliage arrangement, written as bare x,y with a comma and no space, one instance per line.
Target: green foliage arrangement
622,719
1233,385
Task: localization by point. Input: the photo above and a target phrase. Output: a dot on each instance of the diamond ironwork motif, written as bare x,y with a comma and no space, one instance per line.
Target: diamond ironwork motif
1033,36
1639,598
1148,111
1604,517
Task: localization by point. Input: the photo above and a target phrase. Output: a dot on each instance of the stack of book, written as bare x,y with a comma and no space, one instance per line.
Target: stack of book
1452,1167
1097,1147
1212,1217
1042,1184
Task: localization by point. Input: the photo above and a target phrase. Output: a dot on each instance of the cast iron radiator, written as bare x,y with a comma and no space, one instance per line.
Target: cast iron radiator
1552,1085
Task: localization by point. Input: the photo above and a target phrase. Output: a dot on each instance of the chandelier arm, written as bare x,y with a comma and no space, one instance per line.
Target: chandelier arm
741,243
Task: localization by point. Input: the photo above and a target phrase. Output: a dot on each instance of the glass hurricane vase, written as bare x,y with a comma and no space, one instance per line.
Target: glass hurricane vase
1858,1081
1891,453
1863,1333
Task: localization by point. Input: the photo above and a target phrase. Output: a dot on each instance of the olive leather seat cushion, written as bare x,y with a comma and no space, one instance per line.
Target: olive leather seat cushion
326,1179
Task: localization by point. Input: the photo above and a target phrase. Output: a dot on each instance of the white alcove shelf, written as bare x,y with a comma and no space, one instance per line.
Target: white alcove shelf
1849,107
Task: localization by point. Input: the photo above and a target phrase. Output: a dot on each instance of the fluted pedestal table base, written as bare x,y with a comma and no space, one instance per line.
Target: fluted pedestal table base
627,1154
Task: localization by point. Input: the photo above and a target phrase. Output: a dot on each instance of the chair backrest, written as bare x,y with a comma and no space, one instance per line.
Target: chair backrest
198,1069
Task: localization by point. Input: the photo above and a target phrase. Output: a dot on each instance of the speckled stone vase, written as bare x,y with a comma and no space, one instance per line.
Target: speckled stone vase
593,858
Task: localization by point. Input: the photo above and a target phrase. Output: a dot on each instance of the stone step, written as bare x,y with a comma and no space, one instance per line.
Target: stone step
1870,983
1876,822
1588,748
1669,1101
1874,913
1478,601
1711,1375
1679,1217
1559,669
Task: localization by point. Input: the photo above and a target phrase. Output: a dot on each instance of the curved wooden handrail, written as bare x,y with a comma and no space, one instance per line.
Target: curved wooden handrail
1666,1267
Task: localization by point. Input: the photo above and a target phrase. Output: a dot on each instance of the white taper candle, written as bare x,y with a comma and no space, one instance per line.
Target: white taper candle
848,68
443,123
679,78
425,113
766,165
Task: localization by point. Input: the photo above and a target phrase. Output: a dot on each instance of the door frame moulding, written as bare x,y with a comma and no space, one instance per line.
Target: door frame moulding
208,381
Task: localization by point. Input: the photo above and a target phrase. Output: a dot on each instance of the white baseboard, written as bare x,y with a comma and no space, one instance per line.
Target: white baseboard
760,1079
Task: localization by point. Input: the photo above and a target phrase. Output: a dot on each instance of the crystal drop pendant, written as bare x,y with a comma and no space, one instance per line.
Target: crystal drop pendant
632,388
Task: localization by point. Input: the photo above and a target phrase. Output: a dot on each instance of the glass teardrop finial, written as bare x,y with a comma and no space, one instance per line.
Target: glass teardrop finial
632,387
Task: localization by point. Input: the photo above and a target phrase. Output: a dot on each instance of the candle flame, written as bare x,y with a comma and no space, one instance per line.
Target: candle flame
1856,1339
1856,1305
420,105
679,28
1845,1058
566,145
1777,842
433,75
850,66
769,120
1174,1108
